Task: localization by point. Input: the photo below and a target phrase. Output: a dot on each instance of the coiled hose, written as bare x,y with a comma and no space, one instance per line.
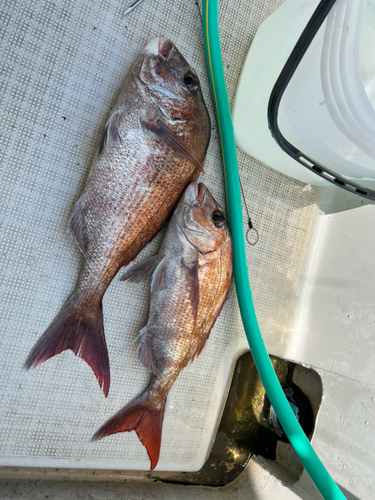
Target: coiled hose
314,467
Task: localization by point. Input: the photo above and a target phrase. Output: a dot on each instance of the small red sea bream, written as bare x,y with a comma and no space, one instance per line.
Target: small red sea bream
153,146
191,278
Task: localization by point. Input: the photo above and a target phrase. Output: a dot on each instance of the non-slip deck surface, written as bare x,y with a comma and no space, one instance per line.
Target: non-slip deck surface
61,68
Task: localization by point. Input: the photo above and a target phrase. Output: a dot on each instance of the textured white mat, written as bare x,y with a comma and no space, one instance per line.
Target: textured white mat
61,68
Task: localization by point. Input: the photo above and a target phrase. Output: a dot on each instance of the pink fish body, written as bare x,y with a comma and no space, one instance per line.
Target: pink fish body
153,145
191,278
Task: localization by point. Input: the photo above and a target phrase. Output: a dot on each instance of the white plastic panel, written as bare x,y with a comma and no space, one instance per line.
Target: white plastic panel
336,309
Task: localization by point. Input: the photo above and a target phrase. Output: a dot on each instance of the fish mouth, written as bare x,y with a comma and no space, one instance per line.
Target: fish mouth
199,193
159,46
154,45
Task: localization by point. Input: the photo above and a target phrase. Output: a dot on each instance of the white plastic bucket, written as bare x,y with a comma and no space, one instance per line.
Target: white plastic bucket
327,110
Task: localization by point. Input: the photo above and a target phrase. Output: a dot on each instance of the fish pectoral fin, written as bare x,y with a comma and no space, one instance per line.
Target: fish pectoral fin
111,128
191,272
145,352
76,227
164,133
159,278
142,271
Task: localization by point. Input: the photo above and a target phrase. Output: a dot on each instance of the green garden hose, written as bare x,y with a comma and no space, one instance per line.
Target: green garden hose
323,481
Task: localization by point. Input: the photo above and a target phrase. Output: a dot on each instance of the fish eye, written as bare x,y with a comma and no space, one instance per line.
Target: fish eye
189,79
218,219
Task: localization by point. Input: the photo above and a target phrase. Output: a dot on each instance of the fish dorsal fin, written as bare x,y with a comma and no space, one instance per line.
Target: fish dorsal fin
191,272
142,271
203,343
201,346
76,227
159,278
145,353
111,128
155,125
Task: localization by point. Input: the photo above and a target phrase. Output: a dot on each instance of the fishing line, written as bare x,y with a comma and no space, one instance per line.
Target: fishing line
252,235
251,229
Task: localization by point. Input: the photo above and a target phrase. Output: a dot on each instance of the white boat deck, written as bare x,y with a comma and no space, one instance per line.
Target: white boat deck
62,67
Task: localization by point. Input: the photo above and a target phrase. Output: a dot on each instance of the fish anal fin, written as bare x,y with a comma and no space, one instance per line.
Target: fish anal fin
145,353
165,134
112,128
159,278
83,334
143,417
191,272
103,141
76,226
142,271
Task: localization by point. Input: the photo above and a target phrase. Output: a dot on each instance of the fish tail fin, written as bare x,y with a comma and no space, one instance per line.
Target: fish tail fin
81,332
143,416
